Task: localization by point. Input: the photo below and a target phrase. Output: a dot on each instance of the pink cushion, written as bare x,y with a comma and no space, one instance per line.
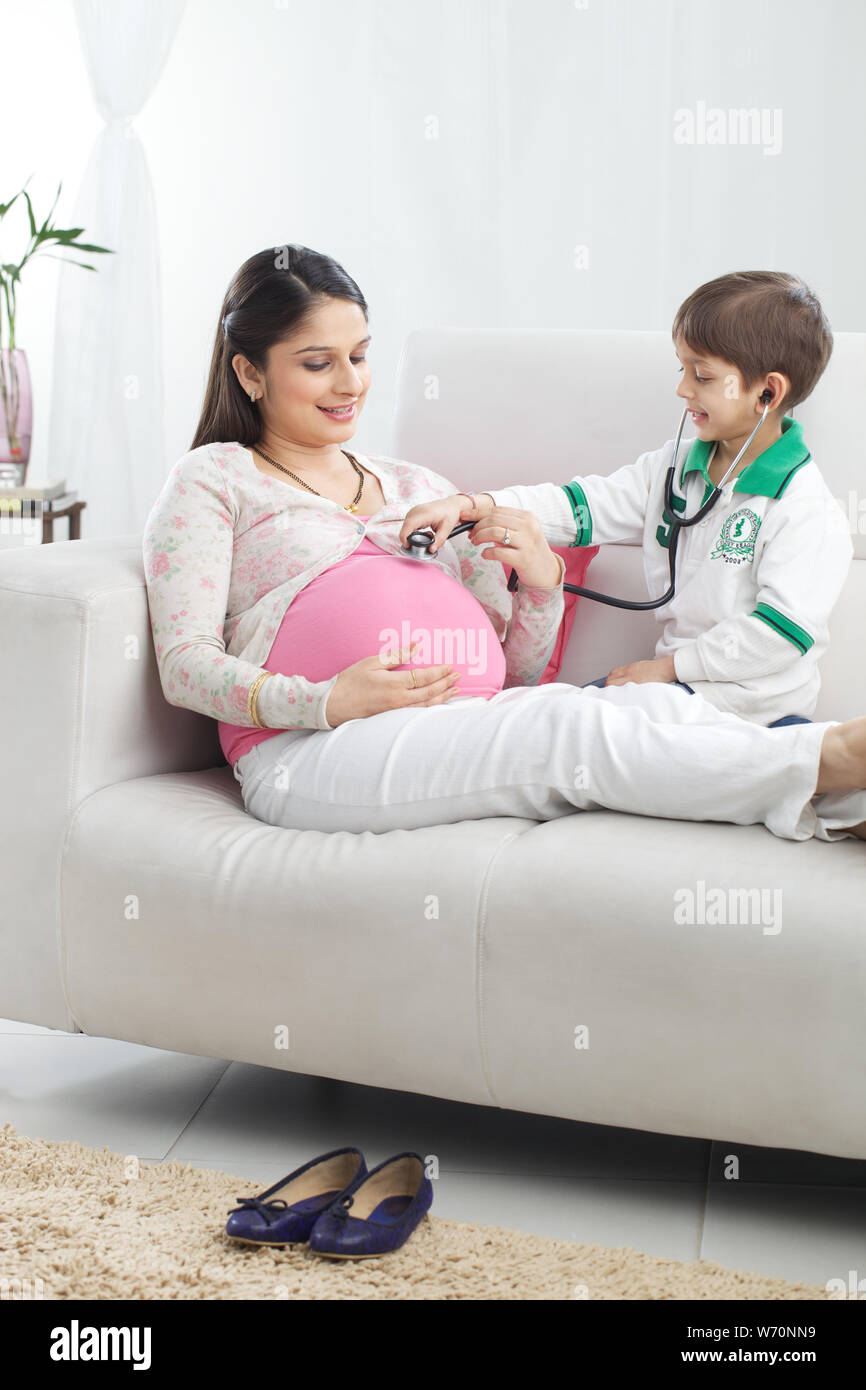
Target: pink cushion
577,560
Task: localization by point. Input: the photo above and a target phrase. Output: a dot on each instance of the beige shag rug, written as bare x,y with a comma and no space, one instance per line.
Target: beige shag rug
81,1223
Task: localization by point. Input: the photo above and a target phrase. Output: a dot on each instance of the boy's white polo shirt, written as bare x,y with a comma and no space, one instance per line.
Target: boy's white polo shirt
756,579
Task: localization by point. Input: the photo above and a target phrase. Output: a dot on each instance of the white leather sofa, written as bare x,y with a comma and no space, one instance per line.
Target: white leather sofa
140,901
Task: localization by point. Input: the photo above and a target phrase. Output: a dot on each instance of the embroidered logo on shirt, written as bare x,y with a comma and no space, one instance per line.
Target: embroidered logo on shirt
736,542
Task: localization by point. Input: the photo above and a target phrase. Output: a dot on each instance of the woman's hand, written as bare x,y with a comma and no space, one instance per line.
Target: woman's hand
660,668
536,565
369,686
442,515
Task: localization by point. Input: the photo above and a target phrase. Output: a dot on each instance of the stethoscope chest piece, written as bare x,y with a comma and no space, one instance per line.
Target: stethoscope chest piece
418,542
418,545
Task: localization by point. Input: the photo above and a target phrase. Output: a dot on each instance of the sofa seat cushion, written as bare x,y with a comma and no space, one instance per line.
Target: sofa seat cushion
189,925
709,965
718,971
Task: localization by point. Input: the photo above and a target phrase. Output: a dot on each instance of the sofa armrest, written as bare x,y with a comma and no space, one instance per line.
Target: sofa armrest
81,707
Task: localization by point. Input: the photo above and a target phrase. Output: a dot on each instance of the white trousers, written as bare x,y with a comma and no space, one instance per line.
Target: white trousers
543,752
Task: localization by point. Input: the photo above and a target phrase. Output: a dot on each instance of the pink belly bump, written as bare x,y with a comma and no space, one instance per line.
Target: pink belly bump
371,603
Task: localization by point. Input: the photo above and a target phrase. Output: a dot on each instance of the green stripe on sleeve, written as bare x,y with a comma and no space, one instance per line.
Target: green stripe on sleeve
582,518
780,623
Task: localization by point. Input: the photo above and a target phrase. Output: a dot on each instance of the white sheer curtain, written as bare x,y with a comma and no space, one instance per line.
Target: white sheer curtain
508,163
107,407
478,163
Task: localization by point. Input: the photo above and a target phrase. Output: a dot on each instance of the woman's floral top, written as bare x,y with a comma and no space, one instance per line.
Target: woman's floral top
226,549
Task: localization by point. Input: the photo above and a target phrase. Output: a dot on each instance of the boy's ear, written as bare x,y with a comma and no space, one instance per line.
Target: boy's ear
779,388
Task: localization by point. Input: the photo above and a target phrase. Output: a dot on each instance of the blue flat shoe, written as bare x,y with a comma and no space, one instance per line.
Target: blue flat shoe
378,1215
285,1213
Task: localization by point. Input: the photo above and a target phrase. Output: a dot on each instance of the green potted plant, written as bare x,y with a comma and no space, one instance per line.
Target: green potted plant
16,402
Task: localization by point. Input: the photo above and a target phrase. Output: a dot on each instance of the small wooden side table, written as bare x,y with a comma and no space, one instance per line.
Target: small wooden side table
73,511
23,509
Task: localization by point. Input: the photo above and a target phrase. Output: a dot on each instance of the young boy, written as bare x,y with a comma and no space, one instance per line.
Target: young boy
757,579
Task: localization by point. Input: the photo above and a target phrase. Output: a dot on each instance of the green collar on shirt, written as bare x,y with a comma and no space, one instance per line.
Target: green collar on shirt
770,473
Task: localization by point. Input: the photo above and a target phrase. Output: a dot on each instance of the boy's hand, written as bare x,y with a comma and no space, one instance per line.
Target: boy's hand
442,515
660,668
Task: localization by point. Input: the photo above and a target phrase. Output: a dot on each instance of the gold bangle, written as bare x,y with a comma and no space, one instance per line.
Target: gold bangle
253,696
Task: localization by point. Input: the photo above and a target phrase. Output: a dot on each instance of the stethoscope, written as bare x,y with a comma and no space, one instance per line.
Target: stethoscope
419,542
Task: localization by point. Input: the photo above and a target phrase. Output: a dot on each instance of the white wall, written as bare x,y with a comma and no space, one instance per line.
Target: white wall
309,121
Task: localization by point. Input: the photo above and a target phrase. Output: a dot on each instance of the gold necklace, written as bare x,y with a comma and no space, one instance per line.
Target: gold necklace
353,505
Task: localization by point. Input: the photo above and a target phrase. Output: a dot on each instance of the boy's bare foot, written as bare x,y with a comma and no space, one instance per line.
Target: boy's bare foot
842,767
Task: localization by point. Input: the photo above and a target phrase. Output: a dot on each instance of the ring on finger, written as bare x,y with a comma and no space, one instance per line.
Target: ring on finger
507,540
414,680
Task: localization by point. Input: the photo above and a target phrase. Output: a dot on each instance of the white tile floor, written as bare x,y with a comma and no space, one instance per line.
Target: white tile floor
799,1216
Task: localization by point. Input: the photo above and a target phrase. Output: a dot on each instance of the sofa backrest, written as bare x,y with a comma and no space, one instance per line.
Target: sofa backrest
489,408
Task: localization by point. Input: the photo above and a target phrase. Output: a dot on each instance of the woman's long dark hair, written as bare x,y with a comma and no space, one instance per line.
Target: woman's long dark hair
268,300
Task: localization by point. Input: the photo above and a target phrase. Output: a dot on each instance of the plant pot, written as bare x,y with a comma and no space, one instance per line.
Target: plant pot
16,417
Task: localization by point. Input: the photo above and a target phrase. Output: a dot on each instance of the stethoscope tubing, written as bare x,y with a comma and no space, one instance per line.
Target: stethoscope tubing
677,524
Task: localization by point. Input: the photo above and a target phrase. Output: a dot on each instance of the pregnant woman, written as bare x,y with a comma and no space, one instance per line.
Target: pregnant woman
359,689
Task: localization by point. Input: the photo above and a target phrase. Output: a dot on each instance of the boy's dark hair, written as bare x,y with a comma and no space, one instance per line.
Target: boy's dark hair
761,321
